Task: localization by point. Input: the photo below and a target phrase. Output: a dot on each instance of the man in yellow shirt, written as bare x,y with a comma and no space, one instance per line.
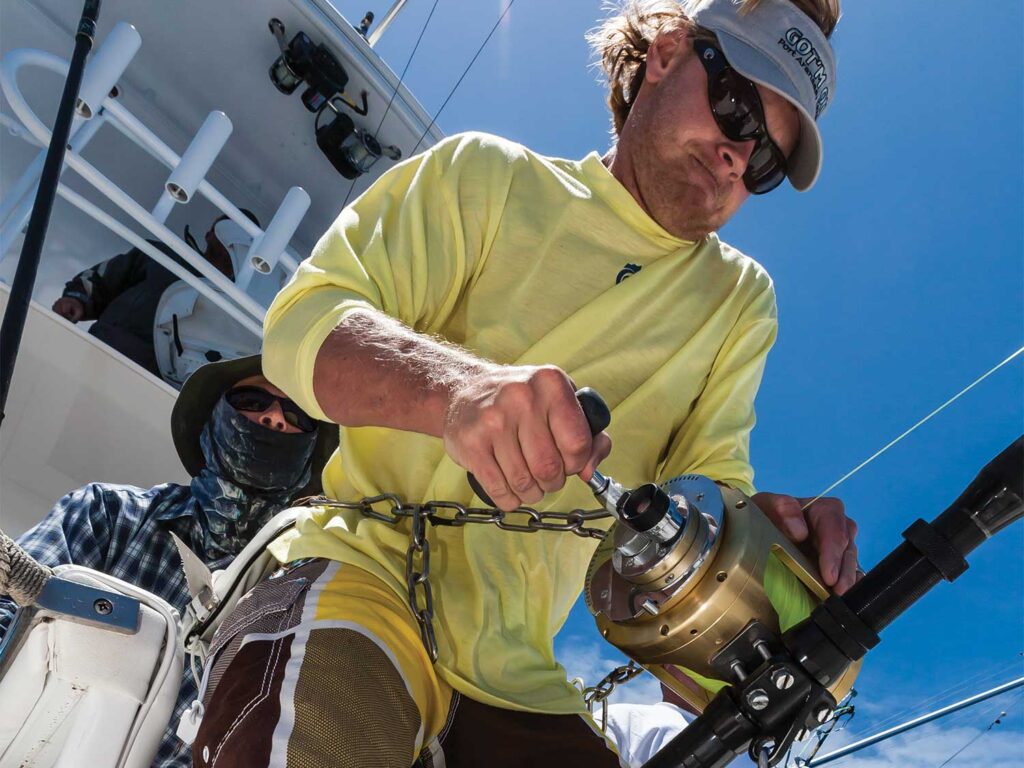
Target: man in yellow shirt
445,321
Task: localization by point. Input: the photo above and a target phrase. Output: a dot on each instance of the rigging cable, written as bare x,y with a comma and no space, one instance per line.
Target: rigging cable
953,692
903,728
463,76
938,410
398,85
993,724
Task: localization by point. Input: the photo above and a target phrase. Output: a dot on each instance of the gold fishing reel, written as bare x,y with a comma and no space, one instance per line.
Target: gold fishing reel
686,568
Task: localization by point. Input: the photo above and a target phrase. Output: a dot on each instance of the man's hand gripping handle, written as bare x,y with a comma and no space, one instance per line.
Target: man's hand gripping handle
598,415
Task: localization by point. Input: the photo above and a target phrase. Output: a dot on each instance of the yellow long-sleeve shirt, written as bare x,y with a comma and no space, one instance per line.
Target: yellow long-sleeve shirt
523,259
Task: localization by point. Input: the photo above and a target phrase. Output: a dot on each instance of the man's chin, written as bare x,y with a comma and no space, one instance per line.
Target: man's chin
695,221
687,210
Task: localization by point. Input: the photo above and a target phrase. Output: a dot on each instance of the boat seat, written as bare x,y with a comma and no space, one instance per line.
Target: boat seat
80,694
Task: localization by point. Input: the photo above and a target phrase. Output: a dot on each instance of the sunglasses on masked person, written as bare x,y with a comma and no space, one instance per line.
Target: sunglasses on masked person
257,400
738,110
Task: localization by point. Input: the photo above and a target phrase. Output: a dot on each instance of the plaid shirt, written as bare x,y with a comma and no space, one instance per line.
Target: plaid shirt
123,531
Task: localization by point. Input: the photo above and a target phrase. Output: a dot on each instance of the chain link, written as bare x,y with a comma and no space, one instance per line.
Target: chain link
450,513
417,573
598,694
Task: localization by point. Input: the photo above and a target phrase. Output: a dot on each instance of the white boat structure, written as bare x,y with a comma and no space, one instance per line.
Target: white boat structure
176,124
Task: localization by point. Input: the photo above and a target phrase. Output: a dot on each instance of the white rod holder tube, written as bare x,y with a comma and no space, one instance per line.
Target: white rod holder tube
25,184
106,67
161,258
13,61
17,204
266,250
134,130
199,156
163,207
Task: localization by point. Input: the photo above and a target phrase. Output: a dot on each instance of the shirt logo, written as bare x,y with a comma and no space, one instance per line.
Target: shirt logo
800,48
626,271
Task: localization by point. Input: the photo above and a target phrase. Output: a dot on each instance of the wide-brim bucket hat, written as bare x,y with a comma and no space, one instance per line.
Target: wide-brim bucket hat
196,402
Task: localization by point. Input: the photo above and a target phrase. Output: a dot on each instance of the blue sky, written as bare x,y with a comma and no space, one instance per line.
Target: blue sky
899,277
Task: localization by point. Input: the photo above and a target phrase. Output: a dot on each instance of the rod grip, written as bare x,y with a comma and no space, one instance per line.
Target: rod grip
993,500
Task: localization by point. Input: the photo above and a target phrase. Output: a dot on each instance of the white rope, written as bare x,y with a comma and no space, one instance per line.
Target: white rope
938,410
21,577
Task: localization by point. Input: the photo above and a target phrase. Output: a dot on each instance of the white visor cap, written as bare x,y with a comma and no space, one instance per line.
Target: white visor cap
778,46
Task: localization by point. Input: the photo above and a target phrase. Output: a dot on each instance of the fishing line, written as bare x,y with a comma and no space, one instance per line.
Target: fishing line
938,410
401,79
836,725
465,72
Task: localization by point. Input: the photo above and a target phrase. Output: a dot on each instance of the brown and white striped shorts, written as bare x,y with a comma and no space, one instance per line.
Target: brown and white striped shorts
321,666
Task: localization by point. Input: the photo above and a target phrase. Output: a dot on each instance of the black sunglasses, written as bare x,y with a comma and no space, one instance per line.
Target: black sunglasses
257,400
739,113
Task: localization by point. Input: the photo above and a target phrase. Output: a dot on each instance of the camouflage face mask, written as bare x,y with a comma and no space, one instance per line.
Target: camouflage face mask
251,474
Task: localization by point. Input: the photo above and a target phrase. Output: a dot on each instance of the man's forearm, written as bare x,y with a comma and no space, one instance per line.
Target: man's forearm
518,428
373,371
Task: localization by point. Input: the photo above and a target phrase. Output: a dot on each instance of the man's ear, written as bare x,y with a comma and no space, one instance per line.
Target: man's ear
665,52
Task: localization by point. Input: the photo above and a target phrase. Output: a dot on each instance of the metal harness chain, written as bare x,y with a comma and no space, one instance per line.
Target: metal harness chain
417,556
598,694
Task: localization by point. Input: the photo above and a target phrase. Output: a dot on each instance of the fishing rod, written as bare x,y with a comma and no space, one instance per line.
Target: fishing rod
31,251
778,682
680,585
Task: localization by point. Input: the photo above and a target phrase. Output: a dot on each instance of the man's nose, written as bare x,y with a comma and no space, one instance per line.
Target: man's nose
273,418
735,155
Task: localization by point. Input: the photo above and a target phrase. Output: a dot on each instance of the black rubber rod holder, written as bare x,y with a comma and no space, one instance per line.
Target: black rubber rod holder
28,263
598,417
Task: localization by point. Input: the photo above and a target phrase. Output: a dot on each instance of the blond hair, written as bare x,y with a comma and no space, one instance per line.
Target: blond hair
620,42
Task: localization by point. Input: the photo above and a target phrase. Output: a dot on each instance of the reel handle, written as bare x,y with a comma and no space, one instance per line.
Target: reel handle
598,418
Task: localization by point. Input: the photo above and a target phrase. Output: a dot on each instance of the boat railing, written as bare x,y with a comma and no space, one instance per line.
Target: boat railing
97,106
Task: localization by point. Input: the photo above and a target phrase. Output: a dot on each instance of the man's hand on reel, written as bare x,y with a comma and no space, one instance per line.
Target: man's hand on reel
521,432
824,527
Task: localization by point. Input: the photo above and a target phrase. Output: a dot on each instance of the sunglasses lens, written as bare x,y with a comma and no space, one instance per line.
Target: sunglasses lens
736,106
766,168
249,399
297,418
258,400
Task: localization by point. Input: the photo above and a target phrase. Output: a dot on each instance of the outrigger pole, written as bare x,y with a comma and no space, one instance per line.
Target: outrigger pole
31,251
895,731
